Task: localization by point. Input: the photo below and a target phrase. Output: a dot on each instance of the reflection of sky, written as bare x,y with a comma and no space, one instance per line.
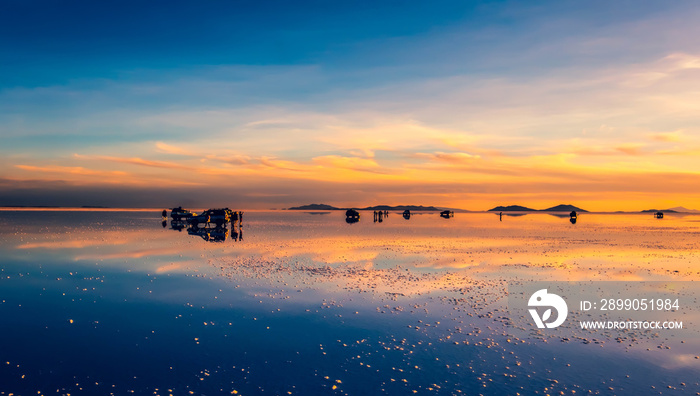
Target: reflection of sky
469,104
315,291
620,247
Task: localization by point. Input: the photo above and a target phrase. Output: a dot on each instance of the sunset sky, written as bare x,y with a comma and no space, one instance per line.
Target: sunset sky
275,104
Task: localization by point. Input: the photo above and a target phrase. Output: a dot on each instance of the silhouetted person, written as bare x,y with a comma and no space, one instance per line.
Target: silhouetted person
165,213
500,216
240,217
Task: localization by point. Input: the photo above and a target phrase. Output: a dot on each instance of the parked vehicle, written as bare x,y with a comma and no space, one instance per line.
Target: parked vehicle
179,213
219,216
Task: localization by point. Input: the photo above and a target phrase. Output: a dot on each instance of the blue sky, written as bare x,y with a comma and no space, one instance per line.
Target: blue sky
326,88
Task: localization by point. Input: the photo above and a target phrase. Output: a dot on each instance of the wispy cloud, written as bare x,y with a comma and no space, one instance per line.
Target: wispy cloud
170,149
73,170
666,136
135,161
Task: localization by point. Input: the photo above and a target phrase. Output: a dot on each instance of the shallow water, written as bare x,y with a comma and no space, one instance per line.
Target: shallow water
304,303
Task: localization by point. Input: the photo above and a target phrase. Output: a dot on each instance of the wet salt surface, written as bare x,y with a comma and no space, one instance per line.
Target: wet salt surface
112,303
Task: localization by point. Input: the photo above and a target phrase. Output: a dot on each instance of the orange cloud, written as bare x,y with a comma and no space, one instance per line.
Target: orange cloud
351,163
456,158
666,136
74,170
136,161
170,149
630,149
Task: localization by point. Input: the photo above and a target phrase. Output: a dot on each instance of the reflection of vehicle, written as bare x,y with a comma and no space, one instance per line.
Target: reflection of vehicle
352,216
446,214
178,225
218,234
210,234
180,214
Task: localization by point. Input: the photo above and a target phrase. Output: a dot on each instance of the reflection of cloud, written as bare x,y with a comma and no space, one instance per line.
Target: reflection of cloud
177,266
71,244
165,251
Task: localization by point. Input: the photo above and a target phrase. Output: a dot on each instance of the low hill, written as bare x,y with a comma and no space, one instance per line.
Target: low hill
511,208
564,208
681,209
413,208
315,207
656,210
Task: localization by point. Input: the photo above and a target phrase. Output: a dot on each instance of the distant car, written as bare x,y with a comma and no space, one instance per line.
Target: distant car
179,214
352,213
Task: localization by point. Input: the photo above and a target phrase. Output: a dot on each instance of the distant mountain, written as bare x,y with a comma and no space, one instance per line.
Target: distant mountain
656,210
456,210
564,208
413,208
681,209
511,208
315,207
